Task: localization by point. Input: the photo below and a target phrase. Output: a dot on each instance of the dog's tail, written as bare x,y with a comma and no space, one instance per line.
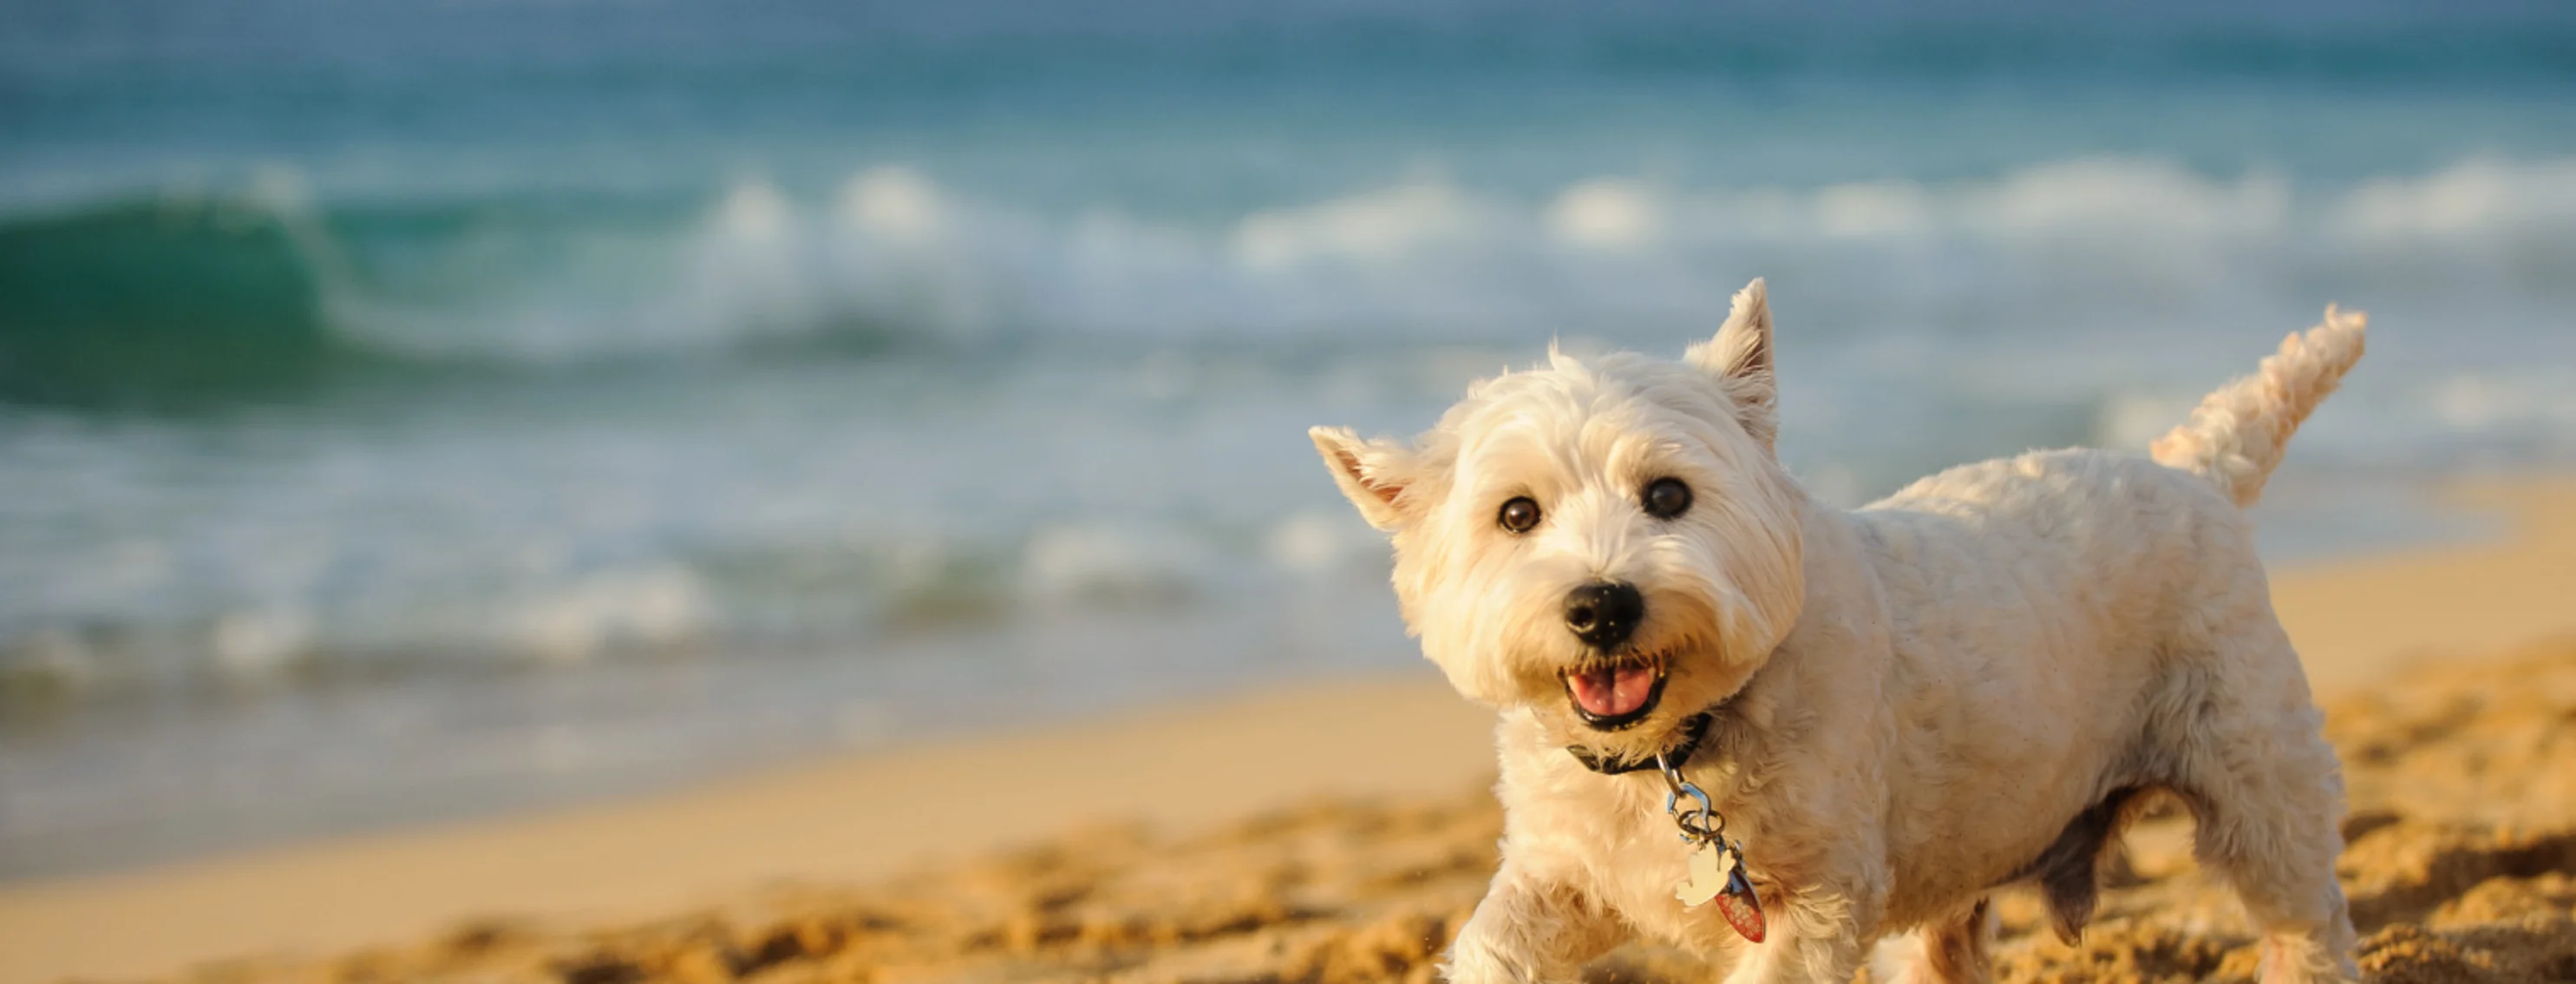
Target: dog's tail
2235,436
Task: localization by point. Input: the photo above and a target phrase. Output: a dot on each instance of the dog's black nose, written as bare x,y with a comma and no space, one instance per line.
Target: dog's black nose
1603,614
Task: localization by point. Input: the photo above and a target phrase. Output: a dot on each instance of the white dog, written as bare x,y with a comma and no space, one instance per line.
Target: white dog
1895,710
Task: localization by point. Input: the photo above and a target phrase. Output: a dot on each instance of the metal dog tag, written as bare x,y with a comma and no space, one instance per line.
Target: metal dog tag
1706,880
1742,909
1717,874
1704,829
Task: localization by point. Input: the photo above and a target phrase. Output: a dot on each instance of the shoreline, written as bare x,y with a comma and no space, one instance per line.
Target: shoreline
2356,619
2360,618
818,823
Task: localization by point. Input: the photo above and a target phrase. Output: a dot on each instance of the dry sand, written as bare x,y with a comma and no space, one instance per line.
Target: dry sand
1377,838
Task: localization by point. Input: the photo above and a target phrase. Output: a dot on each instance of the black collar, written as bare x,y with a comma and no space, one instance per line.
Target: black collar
1694,731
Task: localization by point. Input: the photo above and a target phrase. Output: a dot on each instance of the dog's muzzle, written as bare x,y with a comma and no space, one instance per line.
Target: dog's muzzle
1617,689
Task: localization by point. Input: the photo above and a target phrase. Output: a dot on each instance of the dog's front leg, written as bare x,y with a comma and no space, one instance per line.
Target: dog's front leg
1814,938
1530,930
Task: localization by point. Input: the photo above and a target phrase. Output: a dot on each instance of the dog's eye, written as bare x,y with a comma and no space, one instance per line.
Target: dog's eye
1518,515
1667,498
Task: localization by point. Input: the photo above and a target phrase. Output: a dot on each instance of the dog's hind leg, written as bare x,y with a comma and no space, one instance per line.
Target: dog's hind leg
2266,793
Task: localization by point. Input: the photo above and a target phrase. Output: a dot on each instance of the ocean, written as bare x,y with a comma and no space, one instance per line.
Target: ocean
416,410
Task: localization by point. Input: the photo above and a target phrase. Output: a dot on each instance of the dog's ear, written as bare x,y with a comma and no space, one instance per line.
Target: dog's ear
1373,473
1739,358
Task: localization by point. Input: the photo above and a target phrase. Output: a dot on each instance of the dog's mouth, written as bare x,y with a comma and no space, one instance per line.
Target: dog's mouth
1615,694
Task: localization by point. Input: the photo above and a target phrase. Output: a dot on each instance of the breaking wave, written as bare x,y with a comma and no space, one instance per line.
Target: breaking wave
268,285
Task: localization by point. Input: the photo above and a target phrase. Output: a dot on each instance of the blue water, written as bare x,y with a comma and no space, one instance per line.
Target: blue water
411,410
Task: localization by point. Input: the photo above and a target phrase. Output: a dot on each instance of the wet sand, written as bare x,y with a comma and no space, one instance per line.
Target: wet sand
1342,833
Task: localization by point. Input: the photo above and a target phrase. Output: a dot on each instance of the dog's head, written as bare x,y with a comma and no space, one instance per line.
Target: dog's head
1612,545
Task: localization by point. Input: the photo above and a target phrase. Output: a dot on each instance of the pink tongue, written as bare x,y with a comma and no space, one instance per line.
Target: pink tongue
1610,693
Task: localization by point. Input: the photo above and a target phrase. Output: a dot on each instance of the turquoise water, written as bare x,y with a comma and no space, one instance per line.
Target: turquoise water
411,410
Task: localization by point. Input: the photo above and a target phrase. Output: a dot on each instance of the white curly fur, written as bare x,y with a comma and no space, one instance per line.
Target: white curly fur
1916,697
2236,436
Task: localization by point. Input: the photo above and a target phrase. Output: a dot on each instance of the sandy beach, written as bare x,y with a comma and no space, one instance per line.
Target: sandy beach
597,492
1340,833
